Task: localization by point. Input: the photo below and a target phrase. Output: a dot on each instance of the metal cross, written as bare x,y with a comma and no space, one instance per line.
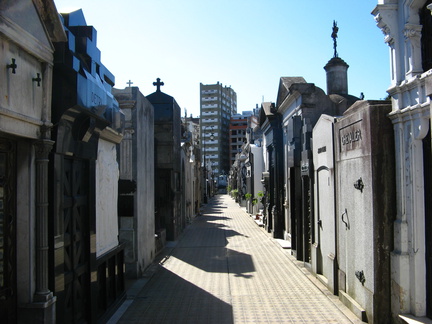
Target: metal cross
158,84
334,36
129,83
12,66
37,79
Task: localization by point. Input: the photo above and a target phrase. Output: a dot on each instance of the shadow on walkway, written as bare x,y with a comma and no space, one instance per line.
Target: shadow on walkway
168,298
190,284
204,244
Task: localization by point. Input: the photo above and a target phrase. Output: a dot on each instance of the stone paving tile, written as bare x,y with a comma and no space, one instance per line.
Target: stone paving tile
226,269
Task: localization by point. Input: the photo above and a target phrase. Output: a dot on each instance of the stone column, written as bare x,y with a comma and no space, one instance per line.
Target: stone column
416,225
408,270
42,149
126,155
43,297
412,34
386,17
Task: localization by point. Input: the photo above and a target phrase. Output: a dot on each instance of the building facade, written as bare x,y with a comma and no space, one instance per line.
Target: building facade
407,28
190,168
169,220
136,184
27,51
86,258
329,186
217,104
238,127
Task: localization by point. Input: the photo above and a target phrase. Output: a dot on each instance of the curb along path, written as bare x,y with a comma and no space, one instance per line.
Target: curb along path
227,269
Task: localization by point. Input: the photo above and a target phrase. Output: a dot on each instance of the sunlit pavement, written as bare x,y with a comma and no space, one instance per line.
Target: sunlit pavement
227,269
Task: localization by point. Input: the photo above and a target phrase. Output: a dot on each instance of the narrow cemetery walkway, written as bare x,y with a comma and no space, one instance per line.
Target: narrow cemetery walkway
227,269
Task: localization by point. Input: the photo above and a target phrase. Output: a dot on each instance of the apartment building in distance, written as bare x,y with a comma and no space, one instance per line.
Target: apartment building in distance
239,125
217,104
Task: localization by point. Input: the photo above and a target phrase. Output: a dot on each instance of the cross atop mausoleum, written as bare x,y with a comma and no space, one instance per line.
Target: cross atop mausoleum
129,83
334,36
158,84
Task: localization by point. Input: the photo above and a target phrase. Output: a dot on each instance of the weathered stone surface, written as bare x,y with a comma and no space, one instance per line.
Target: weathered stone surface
136,186
107,174
324,249
365,205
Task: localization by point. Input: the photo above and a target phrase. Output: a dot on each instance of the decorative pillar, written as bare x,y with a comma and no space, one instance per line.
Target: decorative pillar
408,270
399,257
126,154
386,18
420,128
43,297
412,34
42,309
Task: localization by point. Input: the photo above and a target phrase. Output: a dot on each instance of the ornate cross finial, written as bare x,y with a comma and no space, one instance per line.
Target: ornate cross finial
158,84
334,36
129,83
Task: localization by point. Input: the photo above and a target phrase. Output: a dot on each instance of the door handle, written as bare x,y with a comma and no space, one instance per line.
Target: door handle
347,224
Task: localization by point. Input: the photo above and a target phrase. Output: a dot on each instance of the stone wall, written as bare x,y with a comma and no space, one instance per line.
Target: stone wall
324,261
365,208
136,190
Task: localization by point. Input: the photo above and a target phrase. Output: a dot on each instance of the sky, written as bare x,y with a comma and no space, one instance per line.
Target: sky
246,44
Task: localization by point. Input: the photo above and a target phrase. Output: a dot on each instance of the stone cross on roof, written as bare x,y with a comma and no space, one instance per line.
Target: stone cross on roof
158,84
129,83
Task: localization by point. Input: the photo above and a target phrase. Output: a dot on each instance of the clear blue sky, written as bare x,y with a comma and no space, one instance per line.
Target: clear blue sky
247,45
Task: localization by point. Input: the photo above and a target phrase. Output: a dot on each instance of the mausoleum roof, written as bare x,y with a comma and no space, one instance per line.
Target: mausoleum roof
159,97
50,16
79,70
284,84
338,98
361,103
266,111
267,108
335,61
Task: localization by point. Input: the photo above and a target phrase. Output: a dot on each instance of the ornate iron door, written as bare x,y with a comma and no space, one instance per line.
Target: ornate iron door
7,232
76,240
307,219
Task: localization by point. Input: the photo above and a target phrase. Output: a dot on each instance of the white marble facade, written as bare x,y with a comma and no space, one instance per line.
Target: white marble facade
401,24
324,262
26,50
107,175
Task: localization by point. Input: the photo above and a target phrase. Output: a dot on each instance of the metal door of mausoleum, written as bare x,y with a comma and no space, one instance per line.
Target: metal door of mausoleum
7,232
75,206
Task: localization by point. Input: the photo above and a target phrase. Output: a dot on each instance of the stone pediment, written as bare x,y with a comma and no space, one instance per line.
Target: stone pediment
50,16
159,97
267,111
285,84
25,16
166,108
32,25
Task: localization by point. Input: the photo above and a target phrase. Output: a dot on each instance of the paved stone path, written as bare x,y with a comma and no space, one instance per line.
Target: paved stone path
227,269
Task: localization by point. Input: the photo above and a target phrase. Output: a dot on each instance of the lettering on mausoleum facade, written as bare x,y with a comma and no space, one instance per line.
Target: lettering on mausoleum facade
350,137
322,149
